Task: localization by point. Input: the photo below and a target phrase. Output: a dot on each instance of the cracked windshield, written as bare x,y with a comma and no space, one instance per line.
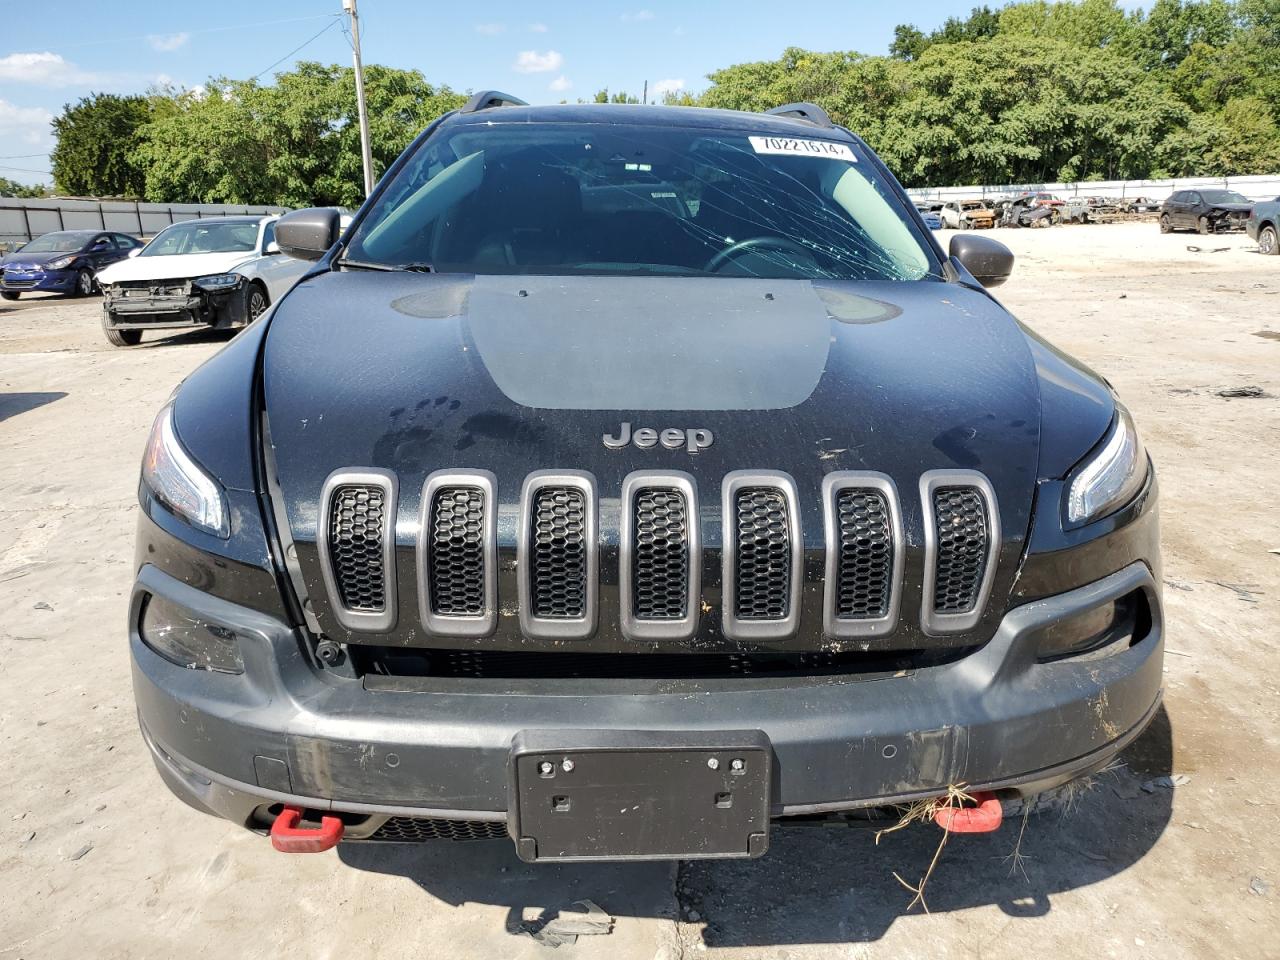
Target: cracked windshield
644,201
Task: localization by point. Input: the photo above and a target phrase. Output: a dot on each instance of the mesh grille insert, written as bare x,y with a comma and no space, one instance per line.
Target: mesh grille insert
660,563
865,555
960,514
456,551
355,546
763,588
418,829
558,588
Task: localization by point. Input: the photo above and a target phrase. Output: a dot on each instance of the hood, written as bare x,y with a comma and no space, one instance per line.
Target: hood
1232,207
186,265
39,259
416,373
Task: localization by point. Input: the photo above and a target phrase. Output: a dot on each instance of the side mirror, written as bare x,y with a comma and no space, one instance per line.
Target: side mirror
307,234
134,252
989,261
272,248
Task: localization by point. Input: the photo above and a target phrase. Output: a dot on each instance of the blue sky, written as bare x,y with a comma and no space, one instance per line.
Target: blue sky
542,52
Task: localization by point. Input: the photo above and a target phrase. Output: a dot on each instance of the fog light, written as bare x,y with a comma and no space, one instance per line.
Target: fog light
1097,633
181,637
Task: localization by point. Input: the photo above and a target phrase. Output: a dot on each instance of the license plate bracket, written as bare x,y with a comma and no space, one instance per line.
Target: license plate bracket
640,795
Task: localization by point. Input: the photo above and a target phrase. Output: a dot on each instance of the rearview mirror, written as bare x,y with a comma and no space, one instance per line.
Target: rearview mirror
307,234
989,261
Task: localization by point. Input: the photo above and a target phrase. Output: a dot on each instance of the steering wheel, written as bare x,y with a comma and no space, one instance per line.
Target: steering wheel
718,260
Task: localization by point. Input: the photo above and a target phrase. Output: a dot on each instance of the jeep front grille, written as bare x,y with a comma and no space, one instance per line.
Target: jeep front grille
961,540
457,554
864,554
762,556
659,573
357,539
557,555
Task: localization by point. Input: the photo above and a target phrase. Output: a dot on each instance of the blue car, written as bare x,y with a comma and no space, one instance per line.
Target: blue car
930,217
62,262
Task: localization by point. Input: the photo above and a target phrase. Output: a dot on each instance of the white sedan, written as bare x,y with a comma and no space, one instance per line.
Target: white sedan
217,272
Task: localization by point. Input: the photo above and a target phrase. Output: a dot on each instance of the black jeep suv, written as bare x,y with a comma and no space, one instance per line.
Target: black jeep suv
622,480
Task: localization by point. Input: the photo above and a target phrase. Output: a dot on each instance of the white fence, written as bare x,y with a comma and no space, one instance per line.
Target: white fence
1255,188
23,220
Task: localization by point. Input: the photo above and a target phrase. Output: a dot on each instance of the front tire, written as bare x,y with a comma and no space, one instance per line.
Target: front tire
10,295
1165,225
117,337
257,303
1268,241
84,284
1202,226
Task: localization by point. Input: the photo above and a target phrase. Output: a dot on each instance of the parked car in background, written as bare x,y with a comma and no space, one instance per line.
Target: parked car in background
185,277
930,217
1263,226
1139,205
967,215
62,262
273,274
1026,211
1206,211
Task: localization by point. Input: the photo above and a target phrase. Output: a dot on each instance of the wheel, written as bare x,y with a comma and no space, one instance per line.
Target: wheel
1202,225
1165,225
258,301
1268,241
10,295
965,224
120,338
84,284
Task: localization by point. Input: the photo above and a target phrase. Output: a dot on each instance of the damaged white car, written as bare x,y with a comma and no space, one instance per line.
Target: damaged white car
218,272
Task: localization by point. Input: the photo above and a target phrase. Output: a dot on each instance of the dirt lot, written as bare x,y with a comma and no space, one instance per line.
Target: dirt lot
96,859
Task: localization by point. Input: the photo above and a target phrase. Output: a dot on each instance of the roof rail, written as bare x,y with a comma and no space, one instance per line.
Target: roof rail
803,111
491,98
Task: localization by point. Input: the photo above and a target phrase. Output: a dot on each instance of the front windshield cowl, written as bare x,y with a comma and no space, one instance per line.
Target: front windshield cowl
636,200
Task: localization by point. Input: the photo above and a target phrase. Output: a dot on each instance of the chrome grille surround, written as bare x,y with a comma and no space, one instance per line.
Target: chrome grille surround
485,622
733,626
369,621
932,620
558,628
833,485
635,627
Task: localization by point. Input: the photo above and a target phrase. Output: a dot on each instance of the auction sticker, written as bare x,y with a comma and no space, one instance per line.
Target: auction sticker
802,148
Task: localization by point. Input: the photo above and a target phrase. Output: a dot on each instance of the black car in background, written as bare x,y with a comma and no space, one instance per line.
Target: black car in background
624,522
62,262
1205,211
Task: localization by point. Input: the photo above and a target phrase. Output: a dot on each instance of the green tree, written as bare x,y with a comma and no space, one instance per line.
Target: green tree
11,188
97,138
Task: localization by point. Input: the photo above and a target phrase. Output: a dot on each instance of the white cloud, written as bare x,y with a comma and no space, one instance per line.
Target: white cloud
491,29
168,42
663,87
531,61
637,16
27,128
560,84
538,28
45,70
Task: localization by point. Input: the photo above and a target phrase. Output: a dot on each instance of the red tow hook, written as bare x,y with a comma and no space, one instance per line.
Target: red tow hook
986,817
287,838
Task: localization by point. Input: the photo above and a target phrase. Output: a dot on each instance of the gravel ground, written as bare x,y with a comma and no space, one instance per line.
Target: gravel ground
96,858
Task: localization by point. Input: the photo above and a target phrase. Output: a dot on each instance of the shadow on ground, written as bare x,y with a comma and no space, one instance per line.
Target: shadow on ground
821,884
12,404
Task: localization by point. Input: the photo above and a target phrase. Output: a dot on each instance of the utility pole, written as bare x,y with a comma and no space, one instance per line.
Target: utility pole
366,152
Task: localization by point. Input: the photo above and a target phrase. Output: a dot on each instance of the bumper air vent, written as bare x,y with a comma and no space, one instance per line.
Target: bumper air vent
660,556
557,555
420,829
457,554
962,539
762,556
356,540
863,521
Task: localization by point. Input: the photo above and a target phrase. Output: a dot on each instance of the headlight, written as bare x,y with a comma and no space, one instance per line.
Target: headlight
1112,477
179,483
62,262
219,283
181,637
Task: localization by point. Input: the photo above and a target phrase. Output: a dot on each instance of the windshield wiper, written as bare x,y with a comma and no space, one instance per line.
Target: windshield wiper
362,265
410,267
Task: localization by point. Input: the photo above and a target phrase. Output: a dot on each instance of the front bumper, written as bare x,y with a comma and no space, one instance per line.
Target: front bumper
162,312
46,281
996,719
